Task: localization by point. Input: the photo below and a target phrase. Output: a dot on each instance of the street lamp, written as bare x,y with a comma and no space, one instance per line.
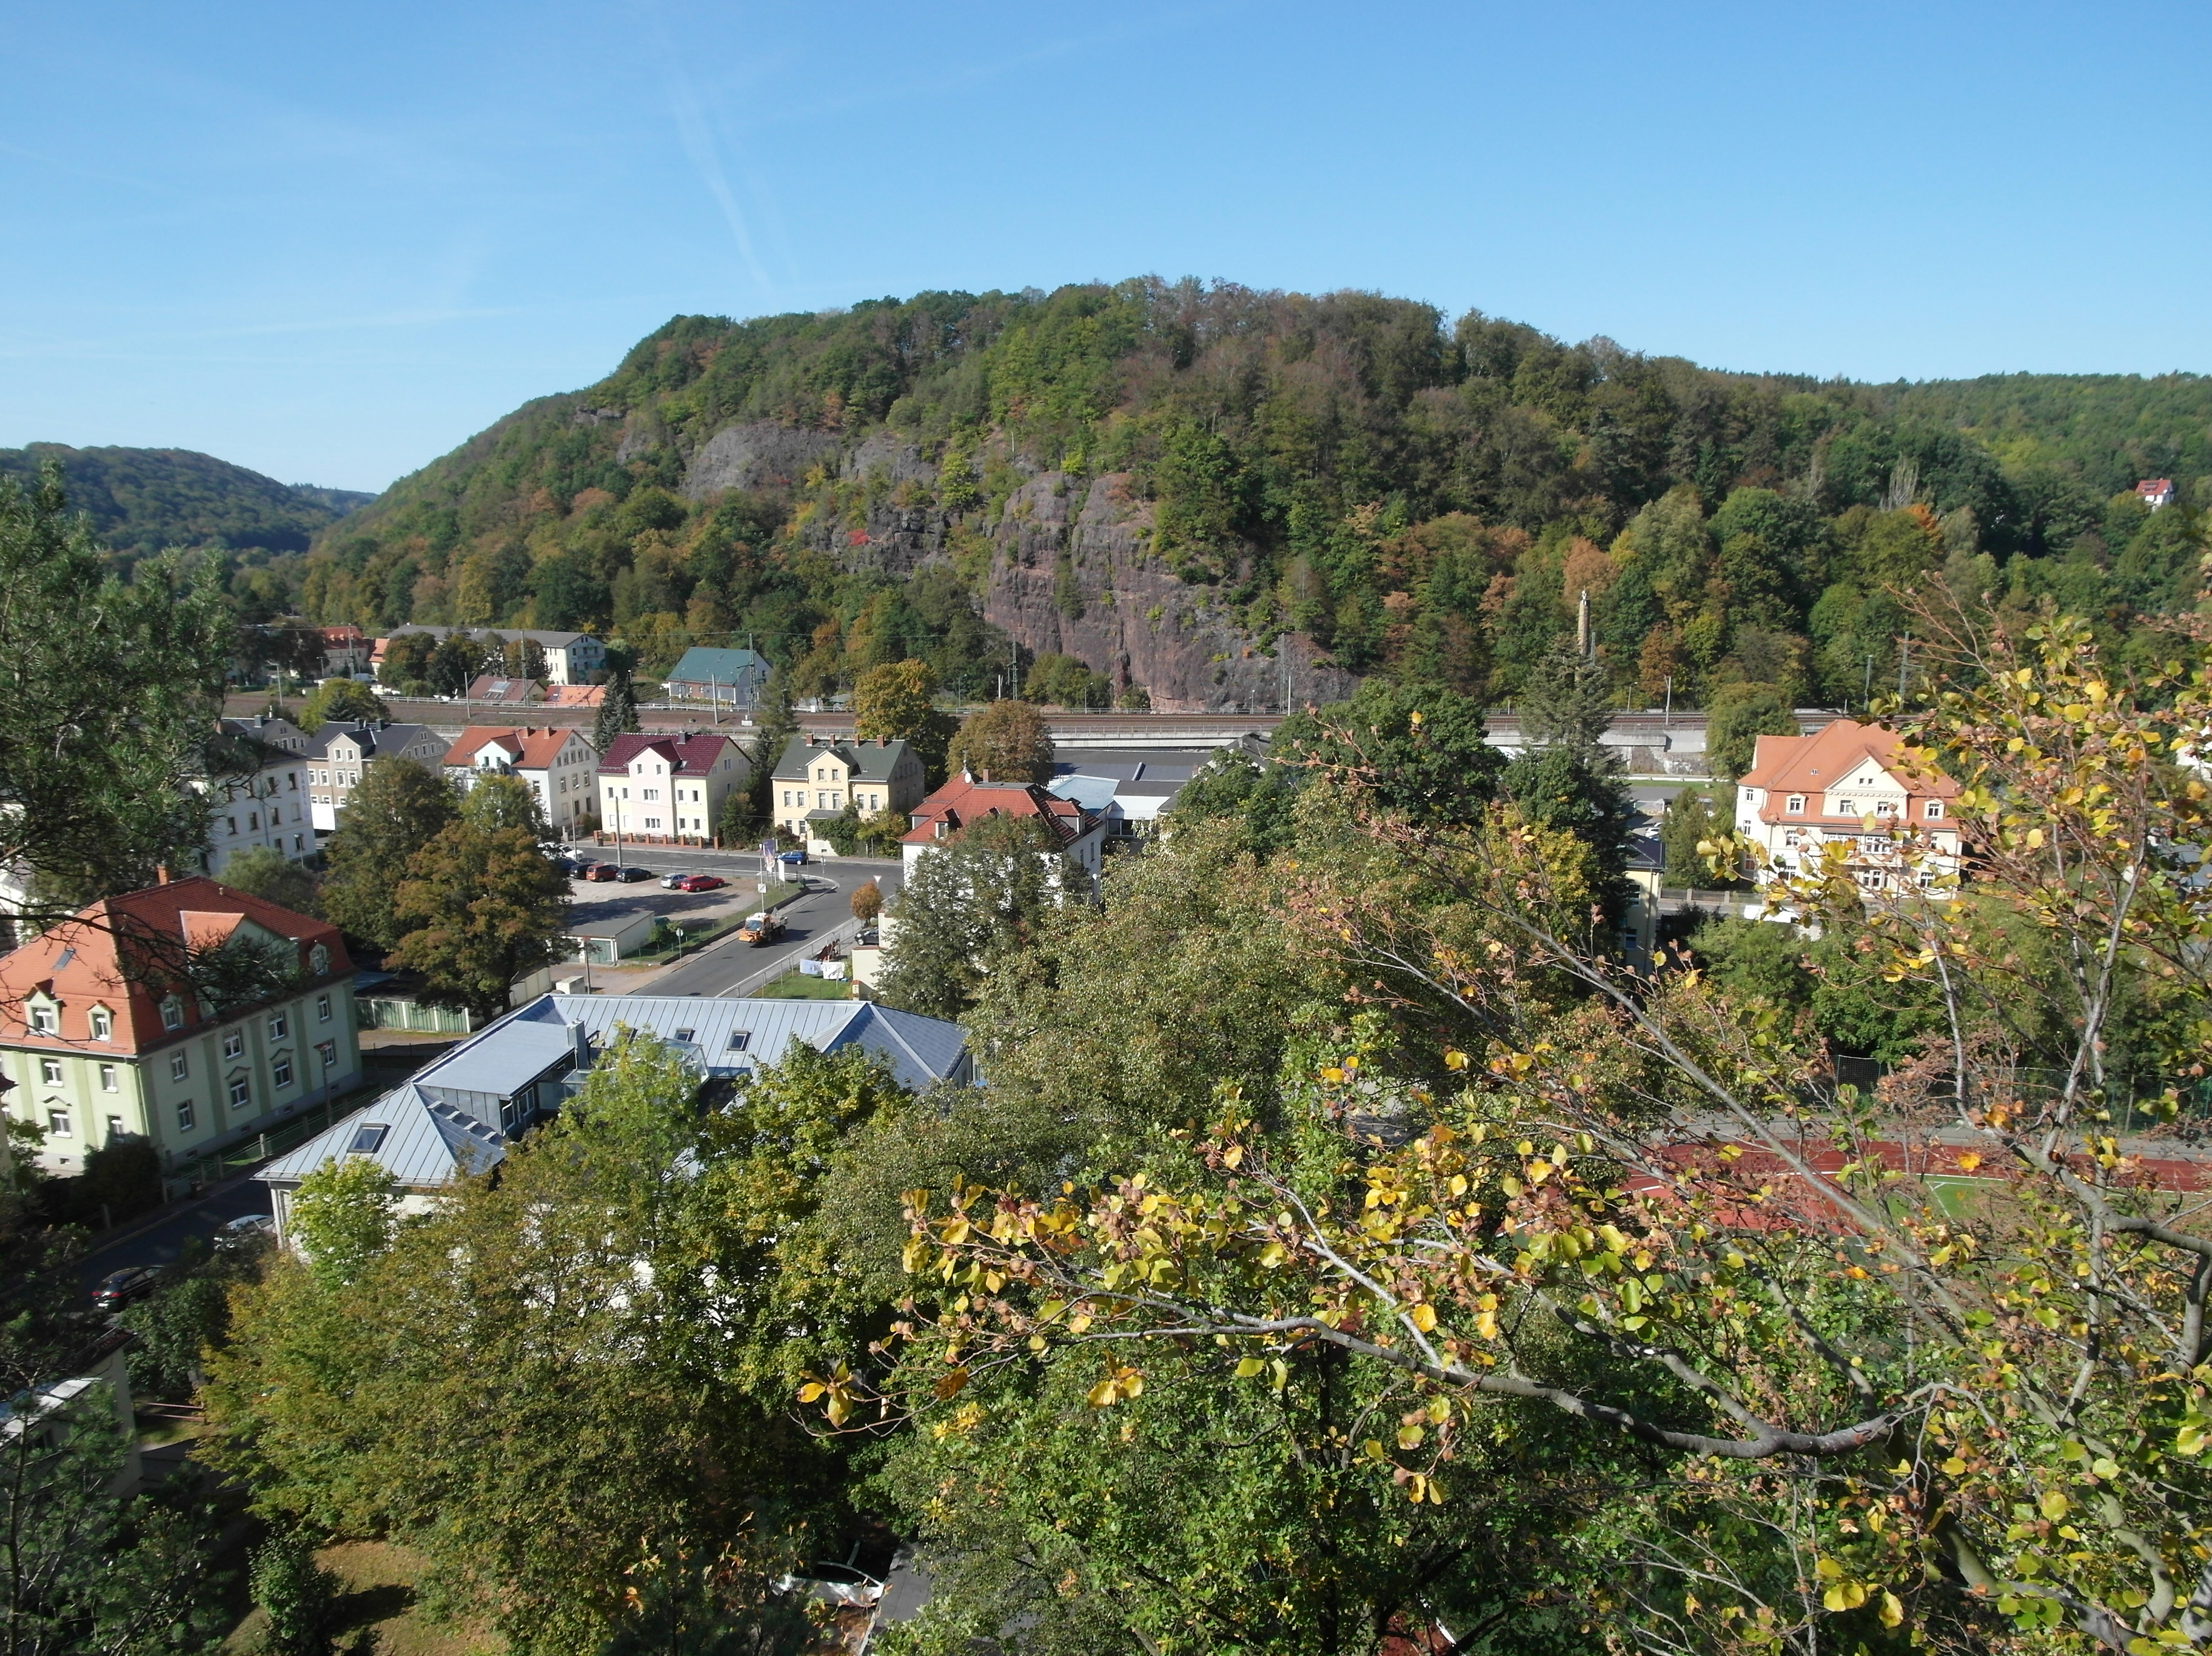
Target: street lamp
678,927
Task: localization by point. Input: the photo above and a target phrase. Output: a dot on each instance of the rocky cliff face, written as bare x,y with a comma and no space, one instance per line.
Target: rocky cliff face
1071,569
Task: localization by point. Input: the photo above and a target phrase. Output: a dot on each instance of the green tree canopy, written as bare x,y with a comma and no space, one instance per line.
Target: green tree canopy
398,807
481,907
340,701
1739,716
265,872
979,895
1421,750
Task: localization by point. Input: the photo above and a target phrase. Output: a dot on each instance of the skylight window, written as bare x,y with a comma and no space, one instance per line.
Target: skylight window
685,1034
369,1139
739,1040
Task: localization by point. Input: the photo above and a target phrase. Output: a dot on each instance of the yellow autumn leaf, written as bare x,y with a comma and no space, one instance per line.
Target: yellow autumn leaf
1424,1317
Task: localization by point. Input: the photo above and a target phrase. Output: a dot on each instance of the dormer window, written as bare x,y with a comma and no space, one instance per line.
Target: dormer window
1796,806
319,961
1933,811
172,1014
103,1024
46,1020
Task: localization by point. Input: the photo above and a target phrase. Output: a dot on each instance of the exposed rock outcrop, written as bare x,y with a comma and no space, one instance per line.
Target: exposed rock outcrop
759,455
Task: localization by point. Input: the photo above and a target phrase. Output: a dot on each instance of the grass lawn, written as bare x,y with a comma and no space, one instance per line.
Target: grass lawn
377,1594
795,985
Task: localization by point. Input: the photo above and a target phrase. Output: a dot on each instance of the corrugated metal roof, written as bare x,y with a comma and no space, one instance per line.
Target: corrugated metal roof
506,1056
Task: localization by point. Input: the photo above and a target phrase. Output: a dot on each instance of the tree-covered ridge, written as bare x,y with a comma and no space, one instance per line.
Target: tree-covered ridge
142,500
1424,498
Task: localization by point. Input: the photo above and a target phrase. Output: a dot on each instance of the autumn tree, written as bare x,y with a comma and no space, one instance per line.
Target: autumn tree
482,906
897,702
867,902
1004,741
398,807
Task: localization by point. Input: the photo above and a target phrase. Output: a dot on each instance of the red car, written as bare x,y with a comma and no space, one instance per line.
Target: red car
600,871
700,883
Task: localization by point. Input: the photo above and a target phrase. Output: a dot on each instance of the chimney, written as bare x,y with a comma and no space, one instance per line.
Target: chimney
161,873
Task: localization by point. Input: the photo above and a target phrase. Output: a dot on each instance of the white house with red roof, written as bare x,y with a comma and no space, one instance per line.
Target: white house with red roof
104,1035
2155,492
1845,784
668,789
559,762
1080,835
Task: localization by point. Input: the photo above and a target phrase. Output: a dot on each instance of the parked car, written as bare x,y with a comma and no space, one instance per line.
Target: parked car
632,875
674,882
246,1227
793,859
761,928
119,1288
699,883
600,871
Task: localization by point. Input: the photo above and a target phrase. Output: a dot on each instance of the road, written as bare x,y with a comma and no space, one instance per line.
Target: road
730,967
160,1240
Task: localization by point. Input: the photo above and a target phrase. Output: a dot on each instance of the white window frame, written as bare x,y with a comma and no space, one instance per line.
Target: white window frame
184,1115
233,1043
179,1066
103,1024
1933,811
109,1082
1795,805
50,1072
242,1094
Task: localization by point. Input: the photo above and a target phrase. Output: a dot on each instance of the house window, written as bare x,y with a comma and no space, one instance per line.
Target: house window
178,1067
1885,808
322,1008
281,1072
1933,811
1795,805
44,1020
57,1123
233,1043
103,1024
107,1081
1849,807
240,1093
172,1014
184,1116
50,1071
114,1128
253,821
278,1025
328,1052
653,824
649,793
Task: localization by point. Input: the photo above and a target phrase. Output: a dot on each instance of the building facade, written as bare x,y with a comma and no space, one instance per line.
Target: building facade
726,677
571,658
668,789
560,765
263,797
1845,785
103,1036
338,754
815,779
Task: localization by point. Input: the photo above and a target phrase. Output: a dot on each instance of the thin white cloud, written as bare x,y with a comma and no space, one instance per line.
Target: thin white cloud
700,147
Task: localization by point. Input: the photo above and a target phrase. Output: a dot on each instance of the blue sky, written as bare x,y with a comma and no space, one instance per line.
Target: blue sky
329,242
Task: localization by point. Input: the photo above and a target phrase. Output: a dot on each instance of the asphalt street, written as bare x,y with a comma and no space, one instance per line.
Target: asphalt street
162,1237
729,967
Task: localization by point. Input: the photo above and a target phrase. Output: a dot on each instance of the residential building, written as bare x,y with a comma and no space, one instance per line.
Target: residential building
669,789
457,1115
727,678
503,691
2155,492
1845,784
338,754
346,651
1077,834
571,658
1134,788
816,778
103,1034
560,765
260,796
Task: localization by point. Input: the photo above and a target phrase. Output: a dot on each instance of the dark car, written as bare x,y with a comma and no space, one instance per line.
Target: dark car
119,1288
793,859
601,871
700,883
630,874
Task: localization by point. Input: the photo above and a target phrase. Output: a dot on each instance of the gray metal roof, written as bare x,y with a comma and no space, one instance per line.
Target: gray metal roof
427,1144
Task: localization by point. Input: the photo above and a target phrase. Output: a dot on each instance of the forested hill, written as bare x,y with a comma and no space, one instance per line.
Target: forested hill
141,500
1211,493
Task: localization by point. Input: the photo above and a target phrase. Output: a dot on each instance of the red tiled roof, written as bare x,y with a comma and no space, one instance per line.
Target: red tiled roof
693,755
1811,765
962,801
528,748
2155,486
82,962
575,695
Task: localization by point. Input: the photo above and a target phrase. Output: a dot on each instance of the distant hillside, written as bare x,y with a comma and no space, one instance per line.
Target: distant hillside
1212,495
141,500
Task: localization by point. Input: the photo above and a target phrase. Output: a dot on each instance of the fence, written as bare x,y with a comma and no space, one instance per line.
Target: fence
215,1166
381,1012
